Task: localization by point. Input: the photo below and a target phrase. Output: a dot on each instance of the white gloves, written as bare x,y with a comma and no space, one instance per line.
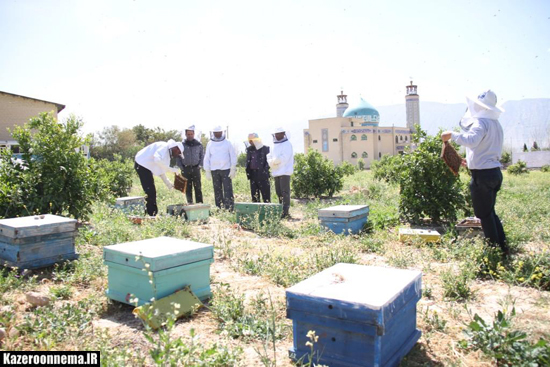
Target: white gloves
232,172
166,182
274,163
208,174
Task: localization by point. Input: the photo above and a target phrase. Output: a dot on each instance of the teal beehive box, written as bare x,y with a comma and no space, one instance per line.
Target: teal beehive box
248,214
37,241
156,268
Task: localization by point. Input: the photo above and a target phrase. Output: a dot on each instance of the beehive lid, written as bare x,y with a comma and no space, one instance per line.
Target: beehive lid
160,253
257,205
425,234
36,225
356,292
196,207
343,211
126,199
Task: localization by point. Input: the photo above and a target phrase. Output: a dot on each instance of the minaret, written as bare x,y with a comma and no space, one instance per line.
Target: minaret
342,104
413,106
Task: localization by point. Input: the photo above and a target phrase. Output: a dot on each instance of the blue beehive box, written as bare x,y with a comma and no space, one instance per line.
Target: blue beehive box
363,315
173,264
37,241
346,219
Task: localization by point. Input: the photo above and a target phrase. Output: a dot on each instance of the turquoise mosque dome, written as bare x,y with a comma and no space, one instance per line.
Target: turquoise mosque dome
363,110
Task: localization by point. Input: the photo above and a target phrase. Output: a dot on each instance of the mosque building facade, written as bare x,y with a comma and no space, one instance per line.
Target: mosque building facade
355,133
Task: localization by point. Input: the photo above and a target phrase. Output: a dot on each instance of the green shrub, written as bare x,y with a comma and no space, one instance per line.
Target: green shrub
360,164
388,168
545,168
347,168
518,168
427,187
241,160
112,177
315,175
506,157
52,176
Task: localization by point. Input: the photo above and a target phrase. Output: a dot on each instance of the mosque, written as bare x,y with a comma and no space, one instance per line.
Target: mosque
355,132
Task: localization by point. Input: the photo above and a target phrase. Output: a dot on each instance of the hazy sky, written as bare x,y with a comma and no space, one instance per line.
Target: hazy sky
257,65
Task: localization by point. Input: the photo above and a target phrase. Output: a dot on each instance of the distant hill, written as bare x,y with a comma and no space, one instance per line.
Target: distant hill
524,121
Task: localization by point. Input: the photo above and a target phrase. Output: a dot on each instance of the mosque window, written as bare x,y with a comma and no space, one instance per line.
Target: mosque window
353,155
364,137
406,138
379,138
379,154
365,155
353,137
324,136
315,141
401,137
335,140
396,140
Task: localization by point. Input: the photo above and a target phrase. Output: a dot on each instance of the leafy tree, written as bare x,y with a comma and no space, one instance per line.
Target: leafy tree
360,164
52,176
241,160
525,149
427,187
113,141
315,175
535,147
347,168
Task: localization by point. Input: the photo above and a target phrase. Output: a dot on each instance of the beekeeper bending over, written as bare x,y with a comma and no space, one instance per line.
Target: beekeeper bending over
154,160
281,161
220,166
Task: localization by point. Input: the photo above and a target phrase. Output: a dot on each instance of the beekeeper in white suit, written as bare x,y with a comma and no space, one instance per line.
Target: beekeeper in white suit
154,160
220,166
281,161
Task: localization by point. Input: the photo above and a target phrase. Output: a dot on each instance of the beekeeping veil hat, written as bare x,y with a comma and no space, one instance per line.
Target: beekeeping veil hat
217,129
179,144
484,106
278,131
256,139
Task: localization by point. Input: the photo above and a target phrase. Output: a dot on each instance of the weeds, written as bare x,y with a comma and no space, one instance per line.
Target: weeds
259,320
506,346
456,285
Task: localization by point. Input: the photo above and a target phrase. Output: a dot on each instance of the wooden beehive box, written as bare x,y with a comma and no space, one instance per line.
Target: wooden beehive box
37,241
196,212
428,235
363,315
469,227
193,212
173,264
249,214
176,210
131,204
346,219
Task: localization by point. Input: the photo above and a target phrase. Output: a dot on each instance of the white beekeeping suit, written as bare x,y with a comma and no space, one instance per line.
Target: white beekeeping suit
156,158
281,158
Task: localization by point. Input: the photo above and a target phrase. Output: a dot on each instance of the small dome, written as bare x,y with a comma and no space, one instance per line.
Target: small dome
363,110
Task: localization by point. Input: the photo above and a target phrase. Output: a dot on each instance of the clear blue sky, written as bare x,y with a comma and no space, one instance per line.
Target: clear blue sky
257,65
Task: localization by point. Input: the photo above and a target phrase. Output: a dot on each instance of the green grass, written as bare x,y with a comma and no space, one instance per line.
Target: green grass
284,253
